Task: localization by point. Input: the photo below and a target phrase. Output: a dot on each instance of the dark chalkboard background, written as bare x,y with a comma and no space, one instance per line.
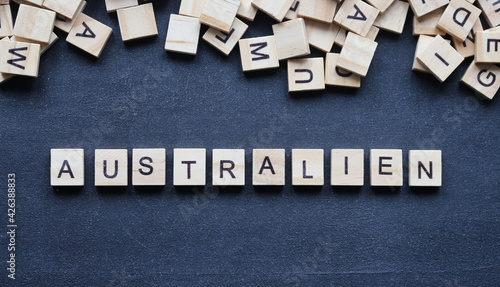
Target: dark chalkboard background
138,96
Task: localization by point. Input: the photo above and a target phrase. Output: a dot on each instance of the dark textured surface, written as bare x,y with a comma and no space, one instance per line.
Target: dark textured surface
136,95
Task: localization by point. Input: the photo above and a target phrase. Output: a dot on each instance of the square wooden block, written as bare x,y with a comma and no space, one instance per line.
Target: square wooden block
491,11
268,167
488,47
440,58
421,8
19,58
294,9
220,14
66,24
4,77
321,35
356,16
357,54
228,167
258,53
335,76
66,167
458,18
422,43
190,167
5,21
137,22
247,10
467,48
66,9
183,34
347,167
192,8
381,5
425,168
113,5
89,35
276,9
427,25
111,167
148,167
319,10
43,47
386,167
38,30
306,74
482,78
291,39
308,167
36,3
223,41
394,18
342,35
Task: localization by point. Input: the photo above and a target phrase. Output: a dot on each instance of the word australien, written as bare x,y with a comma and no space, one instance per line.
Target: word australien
228,167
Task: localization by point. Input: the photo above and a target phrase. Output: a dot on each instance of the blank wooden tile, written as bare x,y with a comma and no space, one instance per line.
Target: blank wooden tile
291,39
148,167
357,54
228,167
65,24
427,25
308,167
137,22
66,167
491,11
89,35
458,18
321,35
183,34
192,8
467,48
306,74
113,5
220,14
247,10
425,168
440,58
381,5
356,16
111,167
319,10
19,58
258,53
484,79
223,41
421,8
190,167
5,21
335,76
386,167
393,19
39,30
276,9
347,167
66,9
422,43
294,9
488,47
268,167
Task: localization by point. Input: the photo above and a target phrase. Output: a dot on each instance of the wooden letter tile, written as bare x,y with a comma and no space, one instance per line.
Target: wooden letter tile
393,19
467,48
228,167
276,9
425,168
65,24
422,43
357,54
306,74
483,78
192,8
491,11
458,18
421,8
5,21
488,47
356,16
347,167
440,58
220,14
66,9
342,35
258,53
291,39
223,41
111,167
294,9
386,167
268,167
319,10
321,35
190,167
336,76
113,5
308,167
427,25
38,30
4,77
137,22
182,35
381,5
148,167
66,167
19,58
89,35
247,10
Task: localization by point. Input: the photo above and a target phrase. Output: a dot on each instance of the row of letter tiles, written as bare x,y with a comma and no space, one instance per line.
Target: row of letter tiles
228,167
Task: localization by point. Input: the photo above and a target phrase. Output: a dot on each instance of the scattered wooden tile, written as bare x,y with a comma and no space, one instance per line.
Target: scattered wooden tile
357,54
52,41
336,76
425,168
111,167
148,167
66,167
440,58
5,21
488,47
66,9
356,16
422,43
458,18
321,35
268,167
192,8
347,167
484,79
491,11
308,167
276,9
319,10
4,77
247,10
19,58
223,41
381,5
65,24
393,19
113,5
190,167
183,34
372,33
386,167
39,30
36,3
421,8
219,14
427,24
294,9
137,22
467,48
258,53
228,167
306,74
291,39
89,35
